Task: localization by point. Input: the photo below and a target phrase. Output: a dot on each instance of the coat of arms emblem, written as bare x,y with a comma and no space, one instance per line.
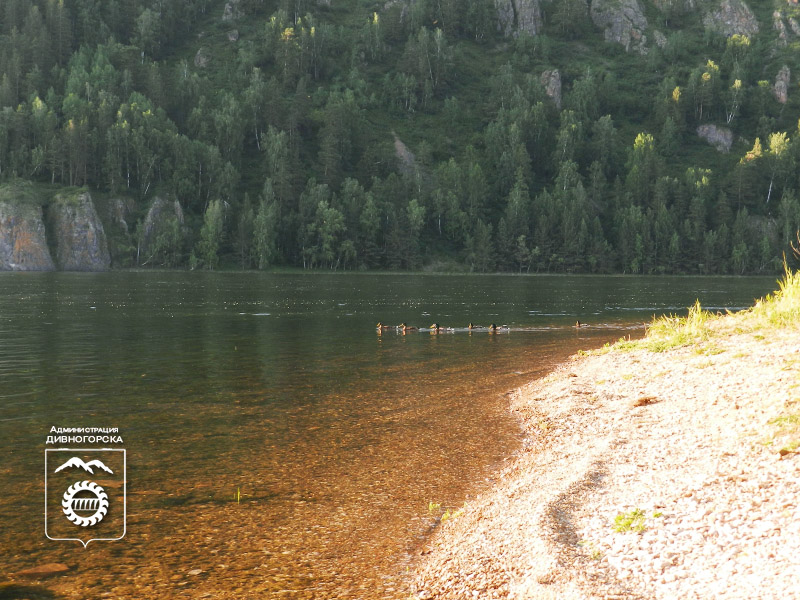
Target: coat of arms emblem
85,494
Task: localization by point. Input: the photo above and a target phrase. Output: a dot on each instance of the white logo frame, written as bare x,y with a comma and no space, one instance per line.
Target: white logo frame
124,493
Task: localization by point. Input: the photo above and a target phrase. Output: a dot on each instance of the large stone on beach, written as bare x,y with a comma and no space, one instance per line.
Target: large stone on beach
731,17
622,21
23,245
80,240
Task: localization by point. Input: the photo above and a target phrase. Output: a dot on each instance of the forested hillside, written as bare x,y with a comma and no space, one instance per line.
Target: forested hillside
640,136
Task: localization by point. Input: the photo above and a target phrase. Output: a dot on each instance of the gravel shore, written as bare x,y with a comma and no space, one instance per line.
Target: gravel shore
691,450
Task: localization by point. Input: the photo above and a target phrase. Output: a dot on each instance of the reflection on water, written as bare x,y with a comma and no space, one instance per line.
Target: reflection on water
278,388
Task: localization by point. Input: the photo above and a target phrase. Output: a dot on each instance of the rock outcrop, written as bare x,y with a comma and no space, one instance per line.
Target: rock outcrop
518,16
405,158
719,137
119,211
232,11
622,21
80,240
23,245
731,17
551,80
781,87
163,225
779,26
673,7
201,58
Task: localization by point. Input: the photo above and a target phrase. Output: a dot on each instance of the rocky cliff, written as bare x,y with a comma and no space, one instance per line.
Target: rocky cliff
551,80
23,245
163,234
781,87
78,235
622,21
518,16
719,137
731,17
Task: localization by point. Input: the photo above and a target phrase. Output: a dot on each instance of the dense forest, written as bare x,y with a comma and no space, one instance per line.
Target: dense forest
511,135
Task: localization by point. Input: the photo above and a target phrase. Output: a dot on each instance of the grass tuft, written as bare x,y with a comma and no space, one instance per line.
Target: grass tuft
777,310
632,520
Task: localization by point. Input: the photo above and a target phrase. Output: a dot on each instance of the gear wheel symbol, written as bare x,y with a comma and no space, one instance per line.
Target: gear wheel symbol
99,503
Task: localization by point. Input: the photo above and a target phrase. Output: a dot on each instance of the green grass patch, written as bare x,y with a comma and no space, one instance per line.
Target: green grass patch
781,308
775,311
23,193
633,520
786,421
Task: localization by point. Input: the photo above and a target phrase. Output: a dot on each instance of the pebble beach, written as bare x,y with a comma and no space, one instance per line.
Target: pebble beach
669,474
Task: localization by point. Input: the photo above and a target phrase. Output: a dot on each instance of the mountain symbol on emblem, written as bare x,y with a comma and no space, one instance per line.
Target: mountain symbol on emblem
77,462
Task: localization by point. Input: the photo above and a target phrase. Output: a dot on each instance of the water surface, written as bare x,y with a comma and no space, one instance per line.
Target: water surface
277,386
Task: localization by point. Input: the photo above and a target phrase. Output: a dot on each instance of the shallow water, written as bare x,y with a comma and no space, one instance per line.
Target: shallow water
279,388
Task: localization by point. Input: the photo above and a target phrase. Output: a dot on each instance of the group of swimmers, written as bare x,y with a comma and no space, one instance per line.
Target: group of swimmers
436,328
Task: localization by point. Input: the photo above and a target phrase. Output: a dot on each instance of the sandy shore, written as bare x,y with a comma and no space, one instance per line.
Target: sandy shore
693,445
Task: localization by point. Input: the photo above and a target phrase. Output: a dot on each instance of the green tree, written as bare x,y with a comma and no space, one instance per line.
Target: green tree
479,250
571,18
644,166
265,227
206,252
244,232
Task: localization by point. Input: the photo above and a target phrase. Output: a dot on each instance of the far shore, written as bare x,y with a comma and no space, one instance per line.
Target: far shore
662,468
286,270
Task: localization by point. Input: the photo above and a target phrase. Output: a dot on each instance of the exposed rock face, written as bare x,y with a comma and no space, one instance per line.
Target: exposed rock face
80,239
162,215
119,211
675,6
731,17
233,35
778,25
505,16
660,39
781,87
518,16
201,58
719,137
23,246
551,80
232,11
405,157
622,21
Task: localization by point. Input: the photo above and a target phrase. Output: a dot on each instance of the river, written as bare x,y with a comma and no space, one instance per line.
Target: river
277,445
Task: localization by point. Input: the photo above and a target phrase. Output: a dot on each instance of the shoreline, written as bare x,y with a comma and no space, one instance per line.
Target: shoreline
692,452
